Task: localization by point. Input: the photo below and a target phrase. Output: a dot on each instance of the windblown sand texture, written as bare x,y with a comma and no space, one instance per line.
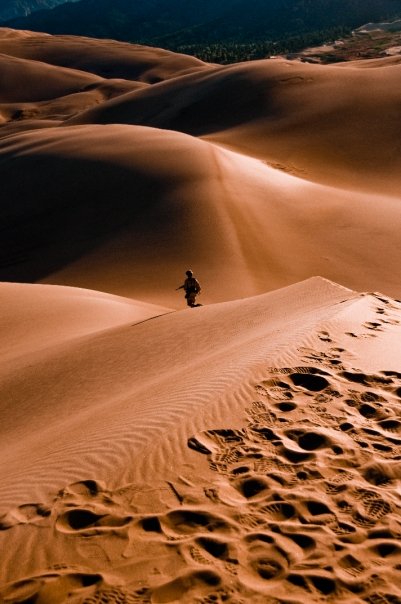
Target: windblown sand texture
245,451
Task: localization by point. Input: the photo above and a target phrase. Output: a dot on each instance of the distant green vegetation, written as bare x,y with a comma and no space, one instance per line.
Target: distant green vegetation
222,31
235,52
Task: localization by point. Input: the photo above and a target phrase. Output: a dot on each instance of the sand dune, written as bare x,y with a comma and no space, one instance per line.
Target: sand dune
143,194
106,58
244,451
58,108
23,80
258,465
312,119
29,326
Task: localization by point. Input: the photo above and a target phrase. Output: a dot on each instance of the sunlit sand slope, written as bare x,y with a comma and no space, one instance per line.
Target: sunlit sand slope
41,316
246,451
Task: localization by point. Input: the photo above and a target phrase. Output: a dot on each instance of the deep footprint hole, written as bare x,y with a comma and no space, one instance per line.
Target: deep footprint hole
315,383
312,440
367,410
297,580
251,487
151,525
88,580
217,549
209,577
387,549
390,424
286,406
296,456
324,584
316,508
304,541
281,510
189,520
81,519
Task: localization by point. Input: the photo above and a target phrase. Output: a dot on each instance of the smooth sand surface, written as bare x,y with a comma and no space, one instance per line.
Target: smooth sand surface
243,451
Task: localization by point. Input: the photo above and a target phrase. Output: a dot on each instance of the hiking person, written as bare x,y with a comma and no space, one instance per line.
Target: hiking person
192,289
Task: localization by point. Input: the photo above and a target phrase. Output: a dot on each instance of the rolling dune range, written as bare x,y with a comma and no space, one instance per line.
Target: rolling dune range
309,168
245,451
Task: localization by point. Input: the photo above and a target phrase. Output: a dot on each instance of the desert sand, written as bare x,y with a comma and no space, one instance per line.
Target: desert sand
244,451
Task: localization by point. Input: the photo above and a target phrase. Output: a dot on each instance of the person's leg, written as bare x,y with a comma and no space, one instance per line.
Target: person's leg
191,299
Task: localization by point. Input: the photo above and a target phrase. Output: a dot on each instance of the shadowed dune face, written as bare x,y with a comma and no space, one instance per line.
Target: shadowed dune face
126,208
106,58
150,195
24,80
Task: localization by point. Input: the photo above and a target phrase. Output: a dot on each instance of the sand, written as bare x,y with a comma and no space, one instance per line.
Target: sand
243,451
252,460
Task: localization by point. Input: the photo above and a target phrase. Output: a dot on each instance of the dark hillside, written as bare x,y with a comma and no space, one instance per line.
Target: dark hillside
11,9
193,26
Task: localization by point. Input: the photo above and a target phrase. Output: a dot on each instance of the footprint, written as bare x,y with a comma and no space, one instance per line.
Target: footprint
279,511
309,440
51,587
118,595
84,488
253,487
196,444
310,378
183,522
317,508
351,565
324,336
294,456
286,406
310,582
382,598
384,549
377,474
84,521
275,388
177,589
373,325
366,379
390,425
30,513
218,548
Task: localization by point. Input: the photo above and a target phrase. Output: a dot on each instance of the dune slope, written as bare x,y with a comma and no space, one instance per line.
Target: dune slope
313,119
255,460
42,316
126,209
106,58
